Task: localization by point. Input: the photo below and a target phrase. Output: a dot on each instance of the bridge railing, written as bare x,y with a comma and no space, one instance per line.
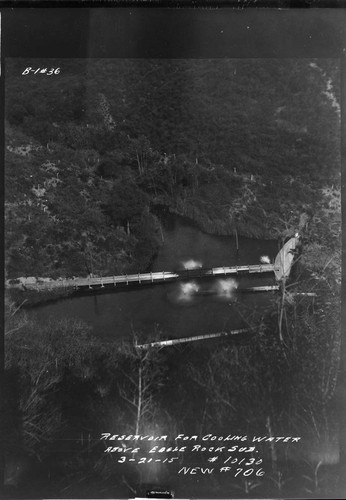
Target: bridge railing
159,276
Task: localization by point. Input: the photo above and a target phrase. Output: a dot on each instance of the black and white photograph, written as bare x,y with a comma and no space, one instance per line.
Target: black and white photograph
172,267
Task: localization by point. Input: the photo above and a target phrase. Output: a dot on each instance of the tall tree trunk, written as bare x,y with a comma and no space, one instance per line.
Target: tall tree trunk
282,306
139,404
272,445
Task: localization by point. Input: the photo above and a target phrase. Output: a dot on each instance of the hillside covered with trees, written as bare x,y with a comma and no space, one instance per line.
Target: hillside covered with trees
94,151
95,155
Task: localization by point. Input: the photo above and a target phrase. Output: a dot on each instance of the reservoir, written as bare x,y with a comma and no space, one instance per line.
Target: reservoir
183,308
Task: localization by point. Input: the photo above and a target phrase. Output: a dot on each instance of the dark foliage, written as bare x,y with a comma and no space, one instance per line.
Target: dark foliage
243,144
233,144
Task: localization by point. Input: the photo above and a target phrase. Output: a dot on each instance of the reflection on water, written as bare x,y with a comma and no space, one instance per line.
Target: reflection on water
226,288
192,264
190,293
265,259
187,290
182,308
183,293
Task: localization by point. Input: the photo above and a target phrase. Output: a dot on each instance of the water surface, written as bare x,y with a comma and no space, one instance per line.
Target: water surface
177,309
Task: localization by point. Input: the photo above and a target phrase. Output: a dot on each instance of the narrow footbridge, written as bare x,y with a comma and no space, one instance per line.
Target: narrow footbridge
147,278
281,269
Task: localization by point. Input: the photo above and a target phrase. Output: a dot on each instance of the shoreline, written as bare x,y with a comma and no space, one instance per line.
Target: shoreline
34,298
29,299
218,226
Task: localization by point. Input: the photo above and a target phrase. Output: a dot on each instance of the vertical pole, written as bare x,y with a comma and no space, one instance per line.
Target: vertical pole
236,240
162,237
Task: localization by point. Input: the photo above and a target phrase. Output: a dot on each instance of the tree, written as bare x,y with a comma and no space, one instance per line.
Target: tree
37,358
126,203
143,372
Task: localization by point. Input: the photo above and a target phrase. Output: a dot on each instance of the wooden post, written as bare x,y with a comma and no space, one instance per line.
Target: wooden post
236,240
162,237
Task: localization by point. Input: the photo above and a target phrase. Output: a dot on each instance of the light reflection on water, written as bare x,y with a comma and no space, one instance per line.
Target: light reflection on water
178,309
187,291
191,292
192,264
226,288
264,259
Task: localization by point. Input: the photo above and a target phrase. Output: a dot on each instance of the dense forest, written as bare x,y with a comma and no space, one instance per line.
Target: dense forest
93,151
94,155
